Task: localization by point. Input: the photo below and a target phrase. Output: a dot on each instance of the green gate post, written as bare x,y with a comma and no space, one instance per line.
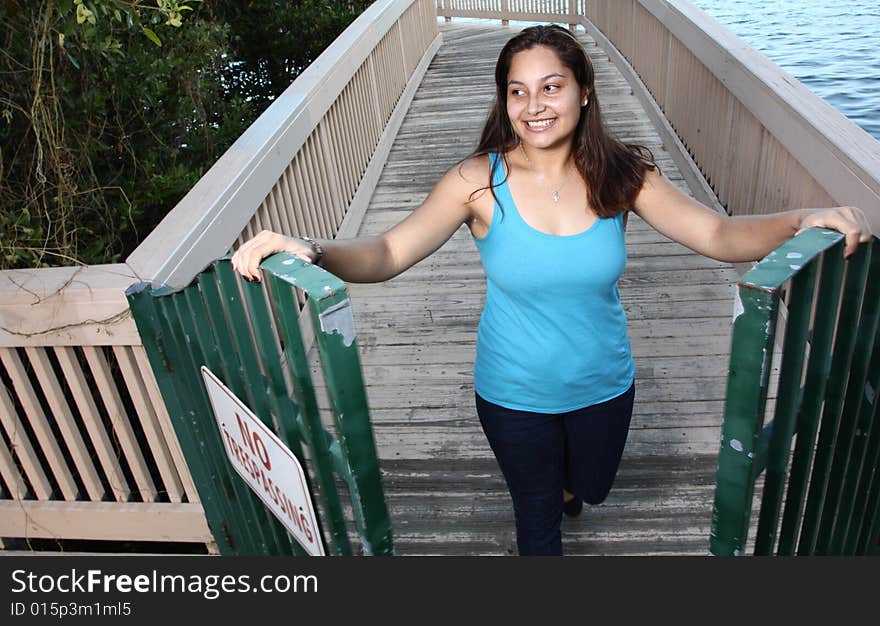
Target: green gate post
819,371
839,515
333,322
250,338
844,349
849,450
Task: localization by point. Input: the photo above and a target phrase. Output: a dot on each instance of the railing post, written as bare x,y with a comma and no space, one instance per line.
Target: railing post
445,10
839,514
250,340
743,416
330,308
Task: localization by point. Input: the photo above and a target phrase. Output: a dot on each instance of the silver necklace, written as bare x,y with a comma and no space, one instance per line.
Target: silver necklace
555,194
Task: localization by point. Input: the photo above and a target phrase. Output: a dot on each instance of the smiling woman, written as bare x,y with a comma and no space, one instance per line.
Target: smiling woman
546,107
554,371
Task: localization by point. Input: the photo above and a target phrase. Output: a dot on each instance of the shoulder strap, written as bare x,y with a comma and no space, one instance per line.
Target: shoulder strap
494,167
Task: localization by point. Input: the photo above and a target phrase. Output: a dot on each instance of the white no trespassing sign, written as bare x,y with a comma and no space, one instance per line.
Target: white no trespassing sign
266,464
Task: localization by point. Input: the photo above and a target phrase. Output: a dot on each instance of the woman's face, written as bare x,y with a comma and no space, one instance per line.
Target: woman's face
543,98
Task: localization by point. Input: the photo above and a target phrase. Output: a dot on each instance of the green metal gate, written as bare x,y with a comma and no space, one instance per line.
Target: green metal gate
248,335
824,497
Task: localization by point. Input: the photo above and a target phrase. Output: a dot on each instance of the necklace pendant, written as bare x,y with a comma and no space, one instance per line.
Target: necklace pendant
556,196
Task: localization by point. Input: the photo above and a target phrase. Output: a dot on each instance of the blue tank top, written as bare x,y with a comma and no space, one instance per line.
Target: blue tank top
552,336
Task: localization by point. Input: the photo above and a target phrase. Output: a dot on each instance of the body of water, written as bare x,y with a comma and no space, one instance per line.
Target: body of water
831,46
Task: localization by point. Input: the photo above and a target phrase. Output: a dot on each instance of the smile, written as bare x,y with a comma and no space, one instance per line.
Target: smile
540,125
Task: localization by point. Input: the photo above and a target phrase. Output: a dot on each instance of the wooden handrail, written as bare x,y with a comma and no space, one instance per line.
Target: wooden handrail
207,221
763,140
308,164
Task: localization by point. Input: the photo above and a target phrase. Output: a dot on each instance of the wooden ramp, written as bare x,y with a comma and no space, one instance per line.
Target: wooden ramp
417,334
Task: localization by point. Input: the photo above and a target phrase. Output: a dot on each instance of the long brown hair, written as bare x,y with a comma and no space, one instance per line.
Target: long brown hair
612,170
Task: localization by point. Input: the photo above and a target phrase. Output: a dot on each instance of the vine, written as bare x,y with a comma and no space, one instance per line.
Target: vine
111,110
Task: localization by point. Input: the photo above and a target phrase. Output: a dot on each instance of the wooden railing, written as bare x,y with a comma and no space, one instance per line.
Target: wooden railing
305,165
763,141
86,449
566,11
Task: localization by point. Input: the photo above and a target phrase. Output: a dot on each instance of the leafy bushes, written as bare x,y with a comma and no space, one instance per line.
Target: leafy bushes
111,110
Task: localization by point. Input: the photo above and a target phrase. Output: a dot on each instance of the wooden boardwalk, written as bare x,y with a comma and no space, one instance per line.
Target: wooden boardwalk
417,334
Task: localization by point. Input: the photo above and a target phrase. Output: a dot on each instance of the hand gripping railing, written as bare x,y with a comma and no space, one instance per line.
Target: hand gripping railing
826,401
248,334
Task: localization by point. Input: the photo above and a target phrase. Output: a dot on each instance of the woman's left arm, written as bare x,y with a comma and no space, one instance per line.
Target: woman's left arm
740,238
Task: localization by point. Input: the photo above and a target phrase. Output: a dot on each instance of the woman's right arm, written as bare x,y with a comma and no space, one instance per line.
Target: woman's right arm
376,259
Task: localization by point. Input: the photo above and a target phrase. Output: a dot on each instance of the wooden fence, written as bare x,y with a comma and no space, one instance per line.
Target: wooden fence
86,447
763,141
566,11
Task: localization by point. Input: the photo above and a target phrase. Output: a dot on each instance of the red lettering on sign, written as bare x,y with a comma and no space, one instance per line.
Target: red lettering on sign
232,445
273,491
260,450
293,514
245,432
306,528
281,500
254,442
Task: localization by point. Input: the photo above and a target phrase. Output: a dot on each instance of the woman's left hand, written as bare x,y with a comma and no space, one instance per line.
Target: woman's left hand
850,221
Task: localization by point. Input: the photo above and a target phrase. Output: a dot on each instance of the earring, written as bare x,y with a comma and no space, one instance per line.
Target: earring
585,102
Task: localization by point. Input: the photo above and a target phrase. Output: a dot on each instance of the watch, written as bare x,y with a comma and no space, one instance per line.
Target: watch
316,248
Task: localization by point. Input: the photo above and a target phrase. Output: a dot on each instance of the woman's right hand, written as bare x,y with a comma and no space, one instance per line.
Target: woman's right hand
246,260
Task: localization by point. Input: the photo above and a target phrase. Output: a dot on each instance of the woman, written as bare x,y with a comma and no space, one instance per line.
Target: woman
545,196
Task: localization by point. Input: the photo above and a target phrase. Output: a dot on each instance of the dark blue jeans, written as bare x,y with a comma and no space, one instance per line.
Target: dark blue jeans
542,453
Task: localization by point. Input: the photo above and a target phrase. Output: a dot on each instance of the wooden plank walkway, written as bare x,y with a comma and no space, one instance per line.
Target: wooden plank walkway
417,334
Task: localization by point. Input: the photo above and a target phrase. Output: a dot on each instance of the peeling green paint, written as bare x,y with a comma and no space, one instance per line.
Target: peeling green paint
839,513
249,334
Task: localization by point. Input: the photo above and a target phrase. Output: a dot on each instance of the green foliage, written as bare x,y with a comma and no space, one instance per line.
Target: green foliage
275,40
111,110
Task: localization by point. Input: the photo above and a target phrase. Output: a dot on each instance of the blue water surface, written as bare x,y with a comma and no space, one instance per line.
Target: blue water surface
832,46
